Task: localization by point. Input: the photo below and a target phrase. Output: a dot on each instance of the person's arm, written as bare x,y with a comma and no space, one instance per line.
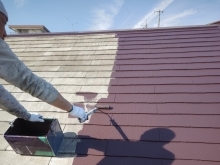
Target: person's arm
61,103
10,104
15,72
65,105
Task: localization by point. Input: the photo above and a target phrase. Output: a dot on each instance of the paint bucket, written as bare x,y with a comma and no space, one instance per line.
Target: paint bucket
35,138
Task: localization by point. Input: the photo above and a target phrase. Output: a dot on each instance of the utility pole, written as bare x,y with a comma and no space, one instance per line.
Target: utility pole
159,11
145,24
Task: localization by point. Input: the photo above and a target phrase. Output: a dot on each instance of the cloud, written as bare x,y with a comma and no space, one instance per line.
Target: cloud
20,3
151,15
103,18
175,19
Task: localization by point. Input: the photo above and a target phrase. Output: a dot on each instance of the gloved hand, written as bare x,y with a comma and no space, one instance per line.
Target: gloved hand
79,113
35,117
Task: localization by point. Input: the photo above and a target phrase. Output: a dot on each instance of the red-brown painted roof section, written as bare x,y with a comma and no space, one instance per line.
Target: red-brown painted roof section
166,97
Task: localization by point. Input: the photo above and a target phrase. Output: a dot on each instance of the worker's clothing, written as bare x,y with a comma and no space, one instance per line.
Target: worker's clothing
15,72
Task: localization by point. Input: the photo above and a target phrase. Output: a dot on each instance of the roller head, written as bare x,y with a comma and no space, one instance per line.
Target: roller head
106,107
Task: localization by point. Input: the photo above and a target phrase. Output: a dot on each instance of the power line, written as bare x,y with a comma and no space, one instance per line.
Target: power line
71,22
159,11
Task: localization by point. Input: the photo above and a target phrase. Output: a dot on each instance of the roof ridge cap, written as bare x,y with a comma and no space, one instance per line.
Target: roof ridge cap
106,31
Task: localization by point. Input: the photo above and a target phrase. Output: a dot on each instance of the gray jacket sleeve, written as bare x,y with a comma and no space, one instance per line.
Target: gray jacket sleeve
10,104
15,72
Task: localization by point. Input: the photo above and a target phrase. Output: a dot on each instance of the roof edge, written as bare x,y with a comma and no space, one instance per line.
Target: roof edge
215,23
105,31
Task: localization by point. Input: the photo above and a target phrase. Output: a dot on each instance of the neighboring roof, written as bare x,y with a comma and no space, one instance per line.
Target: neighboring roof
28,27
163,83
215,23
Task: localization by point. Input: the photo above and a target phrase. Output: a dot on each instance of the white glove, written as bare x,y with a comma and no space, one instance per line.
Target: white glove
79,113
35,117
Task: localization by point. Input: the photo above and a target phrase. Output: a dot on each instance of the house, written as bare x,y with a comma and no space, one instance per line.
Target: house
21,29
163,85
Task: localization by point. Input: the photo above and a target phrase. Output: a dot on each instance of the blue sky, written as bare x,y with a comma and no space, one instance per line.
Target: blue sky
89,15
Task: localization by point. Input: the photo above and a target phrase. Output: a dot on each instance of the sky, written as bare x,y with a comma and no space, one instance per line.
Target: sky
95,15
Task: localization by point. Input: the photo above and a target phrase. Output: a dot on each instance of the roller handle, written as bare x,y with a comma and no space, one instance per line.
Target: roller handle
104,107
94,110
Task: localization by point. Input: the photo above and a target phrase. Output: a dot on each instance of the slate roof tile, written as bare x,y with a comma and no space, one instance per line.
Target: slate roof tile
90,160
139,149
188,108
194,151
197,135
91,147
187,88
201,121
130,133
193,162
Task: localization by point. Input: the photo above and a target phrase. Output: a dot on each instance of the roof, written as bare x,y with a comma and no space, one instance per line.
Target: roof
215,23
163,83
28,27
